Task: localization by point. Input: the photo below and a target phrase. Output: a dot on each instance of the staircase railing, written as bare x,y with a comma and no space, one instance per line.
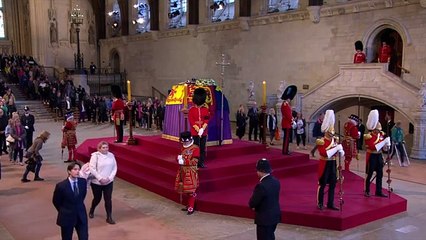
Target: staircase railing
157,93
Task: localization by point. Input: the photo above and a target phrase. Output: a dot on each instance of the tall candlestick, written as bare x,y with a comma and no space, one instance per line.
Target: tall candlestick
129,91
264,93
185,96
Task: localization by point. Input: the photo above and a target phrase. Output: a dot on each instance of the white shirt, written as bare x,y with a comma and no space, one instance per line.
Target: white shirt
103,166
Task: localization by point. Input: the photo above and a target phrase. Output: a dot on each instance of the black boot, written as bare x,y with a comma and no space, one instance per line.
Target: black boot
109,220
92,213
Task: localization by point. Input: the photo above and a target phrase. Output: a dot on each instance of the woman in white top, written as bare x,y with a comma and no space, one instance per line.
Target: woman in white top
104,168
300,130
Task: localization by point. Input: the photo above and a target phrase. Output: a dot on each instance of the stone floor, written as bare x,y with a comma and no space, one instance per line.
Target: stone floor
26,211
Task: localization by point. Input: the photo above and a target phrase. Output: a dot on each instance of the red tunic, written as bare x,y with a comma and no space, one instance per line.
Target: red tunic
187,175
359,57
69,137
324,144
371,139
286,114
385,53
117,109
198,117
350,141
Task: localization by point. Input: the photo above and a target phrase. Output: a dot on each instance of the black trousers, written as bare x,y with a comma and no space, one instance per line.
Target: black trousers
97,191
253,127
81,229
375,164
286,140
265,232
328,177
201,142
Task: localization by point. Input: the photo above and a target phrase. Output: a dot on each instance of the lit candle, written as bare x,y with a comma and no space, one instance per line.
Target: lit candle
129,91
185,97
264,93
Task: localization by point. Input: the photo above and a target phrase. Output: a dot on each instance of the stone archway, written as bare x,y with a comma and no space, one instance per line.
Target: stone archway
114,61
371,81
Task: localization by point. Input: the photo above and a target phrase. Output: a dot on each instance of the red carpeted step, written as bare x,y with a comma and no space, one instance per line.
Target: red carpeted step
226,185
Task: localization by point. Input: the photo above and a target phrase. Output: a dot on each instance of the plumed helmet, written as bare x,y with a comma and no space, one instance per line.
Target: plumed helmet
199,97
328,122
354,117
359,45
116,91
373,120
263,165
289,92
185,136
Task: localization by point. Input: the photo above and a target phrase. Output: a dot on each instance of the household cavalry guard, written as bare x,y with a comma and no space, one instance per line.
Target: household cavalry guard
328,148
375,143
350,140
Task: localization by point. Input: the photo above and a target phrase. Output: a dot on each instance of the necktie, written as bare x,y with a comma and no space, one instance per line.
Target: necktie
75,189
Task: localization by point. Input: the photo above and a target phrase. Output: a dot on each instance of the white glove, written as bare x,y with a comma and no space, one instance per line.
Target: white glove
180,159
342,153
339,147
200,132
26,127
387,141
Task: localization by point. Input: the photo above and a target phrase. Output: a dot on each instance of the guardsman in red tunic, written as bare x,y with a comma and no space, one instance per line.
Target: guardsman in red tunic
359,56
187,176
350,141
69,137
385,52
375,143
287,117
328,149
198,117
117,110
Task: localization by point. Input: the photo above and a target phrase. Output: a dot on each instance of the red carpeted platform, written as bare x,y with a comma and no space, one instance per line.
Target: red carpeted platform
227,182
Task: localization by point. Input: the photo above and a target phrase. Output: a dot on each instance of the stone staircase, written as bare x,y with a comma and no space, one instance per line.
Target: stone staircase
40,111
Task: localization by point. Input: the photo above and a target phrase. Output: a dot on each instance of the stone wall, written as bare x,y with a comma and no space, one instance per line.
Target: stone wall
287,46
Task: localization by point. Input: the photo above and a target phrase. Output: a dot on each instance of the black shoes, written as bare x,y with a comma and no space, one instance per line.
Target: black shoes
381,195
24,180
332,207
320,207
110,221
367,194
38,179
116,141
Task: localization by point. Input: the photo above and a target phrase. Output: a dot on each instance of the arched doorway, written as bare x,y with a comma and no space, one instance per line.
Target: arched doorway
392,38
115,62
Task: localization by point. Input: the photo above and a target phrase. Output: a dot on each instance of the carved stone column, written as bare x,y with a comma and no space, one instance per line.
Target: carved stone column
418,151
314,13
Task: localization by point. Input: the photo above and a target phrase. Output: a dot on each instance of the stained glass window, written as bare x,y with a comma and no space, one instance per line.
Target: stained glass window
142,20
177,13
282,5
222,10
2,33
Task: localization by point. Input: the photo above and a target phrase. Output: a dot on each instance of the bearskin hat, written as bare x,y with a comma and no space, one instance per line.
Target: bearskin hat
116,91
199,97
354,117
289,92
328,122
373,121
263,165
185,136
359,46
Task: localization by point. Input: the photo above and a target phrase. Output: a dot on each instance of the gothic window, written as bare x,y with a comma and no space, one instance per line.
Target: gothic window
177,13
142,21
222,10
114,20
2,33
282,5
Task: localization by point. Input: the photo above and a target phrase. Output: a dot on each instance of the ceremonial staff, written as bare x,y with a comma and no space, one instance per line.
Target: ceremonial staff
339,169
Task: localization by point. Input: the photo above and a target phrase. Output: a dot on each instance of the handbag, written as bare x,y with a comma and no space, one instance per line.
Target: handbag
10,139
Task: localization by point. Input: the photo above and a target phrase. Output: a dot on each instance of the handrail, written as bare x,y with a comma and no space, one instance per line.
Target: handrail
155,90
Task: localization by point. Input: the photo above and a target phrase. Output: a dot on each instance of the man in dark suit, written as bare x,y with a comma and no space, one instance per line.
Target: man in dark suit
265,202
68,199
27,120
